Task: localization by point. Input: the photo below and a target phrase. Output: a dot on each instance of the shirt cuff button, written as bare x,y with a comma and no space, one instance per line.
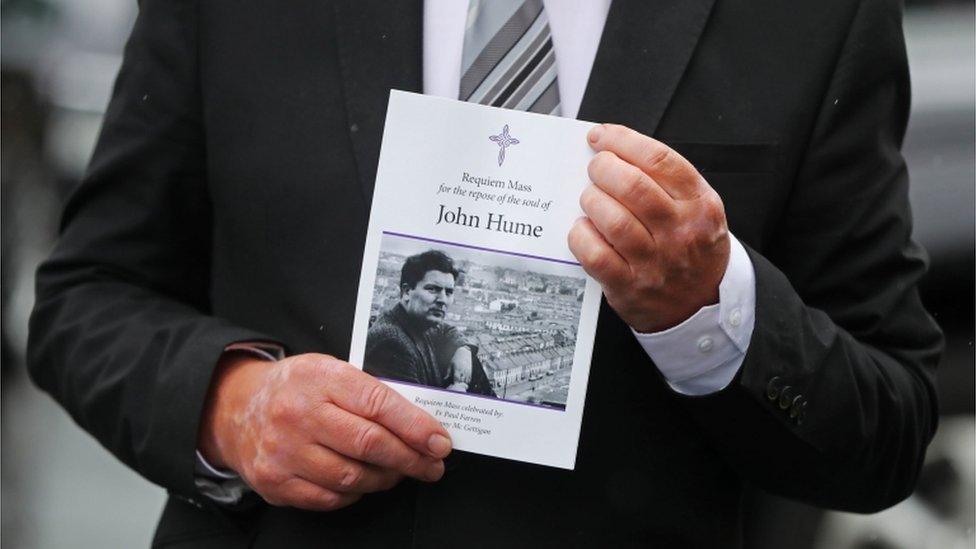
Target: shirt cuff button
735,318
705,344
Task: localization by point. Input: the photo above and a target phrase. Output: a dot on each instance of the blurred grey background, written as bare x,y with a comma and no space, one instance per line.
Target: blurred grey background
58,60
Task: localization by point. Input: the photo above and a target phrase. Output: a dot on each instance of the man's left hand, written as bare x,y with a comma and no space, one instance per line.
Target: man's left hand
654,235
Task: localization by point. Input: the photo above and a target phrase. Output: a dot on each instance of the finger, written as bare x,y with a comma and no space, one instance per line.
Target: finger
300,493
672,172
338,473
632,188
370,442
363,395
617,224
596,255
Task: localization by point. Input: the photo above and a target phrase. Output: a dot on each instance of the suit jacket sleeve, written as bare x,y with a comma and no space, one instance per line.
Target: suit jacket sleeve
120,334
838,316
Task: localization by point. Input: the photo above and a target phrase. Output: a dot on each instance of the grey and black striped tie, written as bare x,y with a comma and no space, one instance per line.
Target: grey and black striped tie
508,60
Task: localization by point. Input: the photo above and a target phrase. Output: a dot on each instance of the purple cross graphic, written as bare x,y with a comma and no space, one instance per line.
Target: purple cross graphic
504,141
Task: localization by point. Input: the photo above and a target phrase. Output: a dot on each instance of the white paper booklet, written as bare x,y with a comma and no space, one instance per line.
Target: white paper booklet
470,302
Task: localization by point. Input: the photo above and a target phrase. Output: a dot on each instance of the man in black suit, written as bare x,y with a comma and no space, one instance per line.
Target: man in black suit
234,174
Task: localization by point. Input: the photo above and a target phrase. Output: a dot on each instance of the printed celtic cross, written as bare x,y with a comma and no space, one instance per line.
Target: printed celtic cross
504,141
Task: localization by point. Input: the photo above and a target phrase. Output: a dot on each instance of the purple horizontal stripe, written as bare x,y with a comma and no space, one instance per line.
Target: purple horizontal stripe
455,393
460,245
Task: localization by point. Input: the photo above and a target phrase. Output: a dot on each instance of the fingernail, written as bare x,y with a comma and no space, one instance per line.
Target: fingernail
595,133
439,445
435,471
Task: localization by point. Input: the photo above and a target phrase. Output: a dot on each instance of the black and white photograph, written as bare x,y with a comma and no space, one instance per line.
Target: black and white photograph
473,320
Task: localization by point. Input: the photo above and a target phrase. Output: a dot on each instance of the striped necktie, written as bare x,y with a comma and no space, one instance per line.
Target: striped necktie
508,60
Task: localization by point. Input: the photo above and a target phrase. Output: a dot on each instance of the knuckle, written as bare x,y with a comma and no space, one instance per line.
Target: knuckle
281,410
719,235
714,208
598,260
264,476
634,189
313,366
418,423
593,168
375,399
633,182
710,240
702,239
303,360
273,499
415,465
685,238
327,501
600,162
368,441
302,501
573,239
302,365
351,476
587,198
332,366
618,226
270,444
305,496
658,154
650,282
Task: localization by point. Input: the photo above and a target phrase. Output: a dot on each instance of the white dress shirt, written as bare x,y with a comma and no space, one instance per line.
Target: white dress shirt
697,357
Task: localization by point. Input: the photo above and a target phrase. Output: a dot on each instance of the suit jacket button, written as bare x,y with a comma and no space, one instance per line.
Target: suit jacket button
785,397
795,406
801,412
772,388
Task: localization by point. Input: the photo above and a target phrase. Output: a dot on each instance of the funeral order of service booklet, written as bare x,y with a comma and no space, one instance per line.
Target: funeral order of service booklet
470,302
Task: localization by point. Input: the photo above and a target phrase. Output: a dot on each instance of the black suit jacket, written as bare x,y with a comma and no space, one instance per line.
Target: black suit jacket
228,197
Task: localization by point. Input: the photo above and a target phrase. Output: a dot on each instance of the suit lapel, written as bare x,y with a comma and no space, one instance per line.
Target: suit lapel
379,46
638,66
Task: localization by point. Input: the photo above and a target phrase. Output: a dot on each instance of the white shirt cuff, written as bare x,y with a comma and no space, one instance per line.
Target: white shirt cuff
702,354
204,468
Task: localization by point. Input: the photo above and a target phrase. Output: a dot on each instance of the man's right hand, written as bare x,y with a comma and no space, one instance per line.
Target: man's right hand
314,432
